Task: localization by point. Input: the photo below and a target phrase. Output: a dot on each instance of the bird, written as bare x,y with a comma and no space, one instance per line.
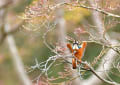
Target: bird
77,51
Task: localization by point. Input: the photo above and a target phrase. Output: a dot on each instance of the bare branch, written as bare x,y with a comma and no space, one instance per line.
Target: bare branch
95,9
86,7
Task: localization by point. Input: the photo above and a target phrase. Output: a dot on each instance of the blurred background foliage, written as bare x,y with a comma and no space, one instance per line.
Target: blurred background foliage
30,42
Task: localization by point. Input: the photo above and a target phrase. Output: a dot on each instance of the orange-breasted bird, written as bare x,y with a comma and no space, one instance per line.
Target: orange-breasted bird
77,51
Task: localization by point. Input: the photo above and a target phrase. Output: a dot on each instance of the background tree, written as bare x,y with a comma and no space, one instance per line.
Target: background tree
43,30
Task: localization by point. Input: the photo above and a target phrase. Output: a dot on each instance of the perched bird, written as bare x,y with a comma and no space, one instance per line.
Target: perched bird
77,51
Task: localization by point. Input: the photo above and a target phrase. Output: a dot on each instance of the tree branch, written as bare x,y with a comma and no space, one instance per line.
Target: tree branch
95,9
86,7
89,68
6,4
16,58
5,34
